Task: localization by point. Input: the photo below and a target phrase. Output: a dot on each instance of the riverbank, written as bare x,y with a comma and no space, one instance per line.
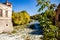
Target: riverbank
20,34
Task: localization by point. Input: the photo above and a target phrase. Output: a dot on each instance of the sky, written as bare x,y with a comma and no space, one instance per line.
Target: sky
27,5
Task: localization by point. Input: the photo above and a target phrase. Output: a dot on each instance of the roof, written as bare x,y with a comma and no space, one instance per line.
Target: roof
9,4
4,5
58,7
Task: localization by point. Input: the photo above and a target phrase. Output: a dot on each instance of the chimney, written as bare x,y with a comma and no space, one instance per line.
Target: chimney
8,4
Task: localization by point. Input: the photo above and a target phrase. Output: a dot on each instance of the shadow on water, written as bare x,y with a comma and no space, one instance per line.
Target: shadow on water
37,32
37,29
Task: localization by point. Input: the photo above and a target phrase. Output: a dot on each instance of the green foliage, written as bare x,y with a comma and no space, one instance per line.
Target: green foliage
19,18
50,30
47,20
58,34
45,4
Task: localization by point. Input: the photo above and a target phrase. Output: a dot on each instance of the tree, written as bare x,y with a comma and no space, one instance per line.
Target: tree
19,18
47,18
45,4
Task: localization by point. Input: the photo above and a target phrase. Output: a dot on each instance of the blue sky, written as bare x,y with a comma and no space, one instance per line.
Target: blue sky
28,5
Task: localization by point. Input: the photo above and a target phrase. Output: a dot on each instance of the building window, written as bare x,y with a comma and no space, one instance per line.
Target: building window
6,13
0,12
59,17
6,24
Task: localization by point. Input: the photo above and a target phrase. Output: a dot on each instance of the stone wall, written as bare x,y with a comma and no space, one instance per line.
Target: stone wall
57,18
6,25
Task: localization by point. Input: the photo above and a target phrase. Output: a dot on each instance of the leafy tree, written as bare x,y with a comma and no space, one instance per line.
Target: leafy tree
45,4
19,18
47,19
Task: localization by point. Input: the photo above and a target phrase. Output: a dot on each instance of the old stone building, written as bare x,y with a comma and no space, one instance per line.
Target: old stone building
57,17
5,17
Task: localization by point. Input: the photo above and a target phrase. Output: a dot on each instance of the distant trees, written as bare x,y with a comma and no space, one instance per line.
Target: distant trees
19,18
35,17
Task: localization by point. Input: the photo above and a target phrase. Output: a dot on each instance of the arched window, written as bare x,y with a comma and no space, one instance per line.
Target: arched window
6,13
0,12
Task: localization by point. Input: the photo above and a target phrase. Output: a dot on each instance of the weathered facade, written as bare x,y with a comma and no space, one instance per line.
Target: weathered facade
57,17
5,17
